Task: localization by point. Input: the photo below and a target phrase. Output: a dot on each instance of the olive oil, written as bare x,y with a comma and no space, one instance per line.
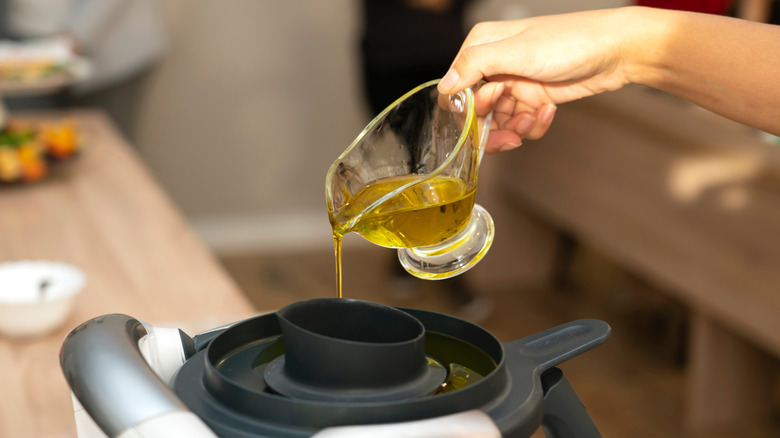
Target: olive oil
466,364
422,215
337,245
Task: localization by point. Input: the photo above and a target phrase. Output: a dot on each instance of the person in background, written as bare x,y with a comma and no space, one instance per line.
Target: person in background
121,38
406,43
727,65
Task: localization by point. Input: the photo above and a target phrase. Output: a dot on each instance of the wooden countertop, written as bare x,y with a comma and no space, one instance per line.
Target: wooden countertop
106,215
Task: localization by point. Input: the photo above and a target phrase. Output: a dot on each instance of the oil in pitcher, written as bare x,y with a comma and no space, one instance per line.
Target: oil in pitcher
409,182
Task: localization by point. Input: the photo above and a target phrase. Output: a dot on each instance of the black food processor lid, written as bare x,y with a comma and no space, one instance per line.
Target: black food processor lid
336,362
352,351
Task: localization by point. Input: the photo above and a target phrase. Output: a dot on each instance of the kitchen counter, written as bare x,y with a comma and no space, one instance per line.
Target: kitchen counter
105,214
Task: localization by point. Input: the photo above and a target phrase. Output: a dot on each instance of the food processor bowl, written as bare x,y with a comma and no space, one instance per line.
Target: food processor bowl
328,365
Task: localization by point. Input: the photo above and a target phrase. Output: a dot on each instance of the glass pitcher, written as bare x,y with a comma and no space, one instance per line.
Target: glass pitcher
409,181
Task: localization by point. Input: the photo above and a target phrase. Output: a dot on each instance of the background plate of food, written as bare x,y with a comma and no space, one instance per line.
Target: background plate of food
29,151
36,67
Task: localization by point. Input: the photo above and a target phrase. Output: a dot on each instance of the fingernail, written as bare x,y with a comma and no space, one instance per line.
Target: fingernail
449,80
547,114
526,124
508,147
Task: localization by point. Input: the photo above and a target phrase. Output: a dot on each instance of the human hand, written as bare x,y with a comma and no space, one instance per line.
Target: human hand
533,64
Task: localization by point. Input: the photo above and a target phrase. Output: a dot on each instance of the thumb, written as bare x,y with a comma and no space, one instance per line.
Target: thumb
480,61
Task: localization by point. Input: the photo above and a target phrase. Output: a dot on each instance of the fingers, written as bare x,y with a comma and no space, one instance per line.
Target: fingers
544,118
521,124
450,82
513,119
510,131
487,96
501,141
521,107
480,61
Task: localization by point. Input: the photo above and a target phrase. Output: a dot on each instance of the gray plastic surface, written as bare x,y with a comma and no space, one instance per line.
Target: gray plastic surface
563,414
108,375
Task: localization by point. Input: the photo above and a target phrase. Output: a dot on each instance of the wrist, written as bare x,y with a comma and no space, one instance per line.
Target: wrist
647,36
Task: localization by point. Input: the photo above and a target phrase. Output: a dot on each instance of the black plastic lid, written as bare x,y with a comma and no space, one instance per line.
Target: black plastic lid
350,350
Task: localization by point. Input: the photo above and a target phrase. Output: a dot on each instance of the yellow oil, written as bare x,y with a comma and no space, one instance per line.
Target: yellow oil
466,363
425,214
337,251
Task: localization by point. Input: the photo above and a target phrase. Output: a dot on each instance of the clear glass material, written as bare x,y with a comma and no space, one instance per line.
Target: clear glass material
409,180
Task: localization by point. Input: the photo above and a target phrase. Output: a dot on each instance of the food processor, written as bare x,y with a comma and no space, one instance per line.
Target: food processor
326,367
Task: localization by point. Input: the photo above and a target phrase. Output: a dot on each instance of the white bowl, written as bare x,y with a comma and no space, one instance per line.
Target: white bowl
36,296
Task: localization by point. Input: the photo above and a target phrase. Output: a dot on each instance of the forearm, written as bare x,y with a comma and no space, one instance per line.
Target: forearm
727,65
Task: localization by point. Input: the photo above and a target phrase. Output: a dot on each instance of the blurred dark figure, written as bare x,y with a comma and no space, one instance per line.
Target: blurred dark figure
406,43
4,19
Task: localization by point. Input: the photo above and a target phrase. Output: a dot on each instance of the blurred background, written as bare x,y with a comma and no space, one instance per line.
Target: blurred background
242,118
639,209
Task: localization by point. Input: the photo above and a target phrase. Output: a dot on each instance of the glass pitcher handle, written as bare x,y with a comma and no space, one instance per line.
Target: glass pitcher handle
483,127
483,133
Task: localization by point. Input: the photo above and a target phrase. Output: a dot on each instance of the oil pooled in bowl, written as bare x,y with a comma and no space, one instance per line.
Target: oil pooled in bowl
465,363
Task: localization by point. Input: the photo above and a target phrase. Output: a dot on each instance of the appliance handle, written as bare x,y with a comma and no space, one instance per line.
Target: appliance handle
461,425
107,373
551,347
